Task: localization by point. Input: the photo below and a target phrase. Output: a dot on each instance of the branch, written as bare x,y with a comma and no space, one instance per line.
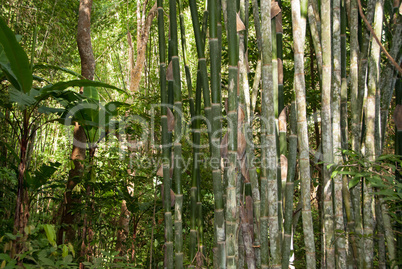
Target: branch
394,63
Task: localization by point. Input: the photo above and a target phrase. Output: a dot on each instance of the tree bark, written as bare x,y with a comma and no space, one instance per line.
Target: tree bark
79,149
143,28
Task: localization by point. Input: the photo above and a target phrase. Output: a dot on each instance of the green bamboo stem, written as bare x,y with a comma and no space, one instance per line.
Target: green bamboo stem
231,209
177,165
299,31
315,30
340,246
269,186
165,141
196,141
200,219
288,213
200,44
352,251
219,218
275,81
257,76
282,113
250,145
380,234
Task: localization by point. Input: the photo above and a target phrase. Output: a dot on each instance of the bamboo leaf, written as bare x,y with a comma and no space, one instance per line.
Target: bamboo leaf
18,59
353,182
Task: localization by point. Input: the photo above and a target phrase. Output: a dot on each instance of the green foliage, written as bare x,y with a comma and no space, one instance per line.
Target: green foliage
41,250
379,173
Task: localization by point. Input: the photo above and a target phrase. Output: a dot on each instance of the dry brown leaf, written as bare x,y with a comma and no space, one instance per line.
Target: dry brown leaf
241,145
239,24
224,146
244,170
282,120
275,9
171,121
398,117
240,116
169,72
160,171
284,167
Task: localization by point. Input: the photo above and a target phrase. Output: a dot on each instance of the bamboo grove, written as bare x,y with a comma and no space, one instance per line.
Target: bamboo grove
237,134
265,148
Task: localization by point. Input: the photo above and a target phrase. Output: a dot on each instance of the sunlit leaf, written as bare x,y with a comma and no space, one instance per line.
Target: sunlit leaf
18,59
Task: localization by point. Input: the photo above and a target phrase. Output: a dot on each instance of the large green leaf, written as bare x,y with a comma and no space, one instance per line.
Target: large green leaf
21,98
41,176
54,67
77,83
18,59
91,92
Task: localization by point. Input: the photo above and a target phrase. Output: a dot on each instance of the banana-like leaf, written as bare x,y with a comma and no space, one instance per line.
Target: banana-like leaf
91,92
77,83
21,98
41,176
18,59
50,110
54,67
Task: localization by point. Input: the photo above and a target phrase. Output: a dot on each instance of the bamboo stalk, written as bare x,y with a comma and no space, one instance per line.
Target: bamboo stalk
177,165
340,247
315,30
168,261
247,210
269,186
231,203
326,126
370,147
299,31
288,213
219,218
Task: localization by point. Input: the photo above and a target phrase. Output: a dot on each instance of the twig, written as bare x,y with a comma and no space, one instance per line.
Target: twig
394,63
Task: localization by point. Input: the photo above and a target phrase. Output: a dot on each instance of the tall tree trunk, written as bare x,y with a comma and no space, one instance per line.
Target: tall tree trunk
79,141
143,29
22,203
